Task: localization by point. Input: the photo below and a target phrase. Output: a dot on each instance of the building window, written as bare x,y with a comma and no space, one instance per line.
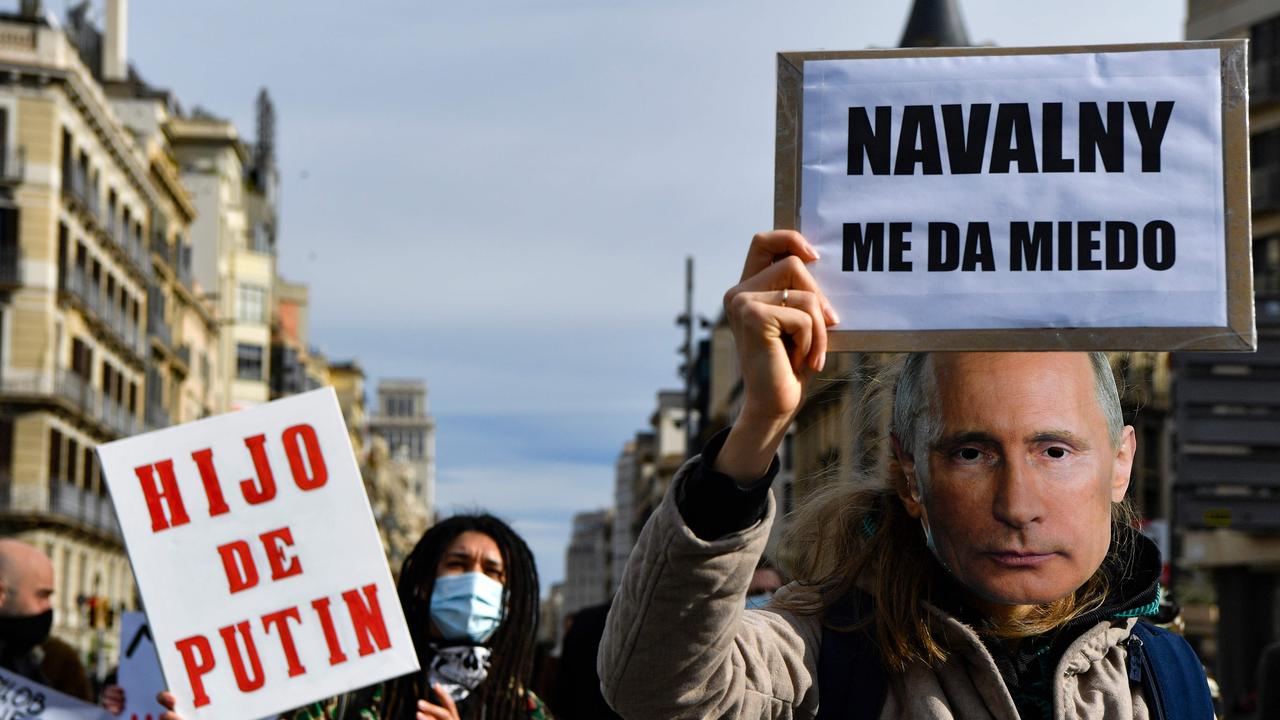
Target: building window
1264,54
73,455
81,359
55,455
251,304
248,361
1266,265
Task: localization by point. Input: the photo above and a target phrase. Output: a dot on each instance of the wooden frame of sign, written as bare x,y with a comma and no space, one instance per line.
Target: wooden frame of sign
1240,333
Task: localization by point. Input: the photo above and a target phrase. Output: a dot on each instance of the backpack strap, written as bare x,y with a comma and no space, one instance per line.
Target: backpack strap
852,680
1171,675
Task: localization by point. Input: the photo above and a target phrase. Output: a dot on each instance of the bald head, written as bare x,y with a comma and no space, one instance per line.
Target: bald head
26,579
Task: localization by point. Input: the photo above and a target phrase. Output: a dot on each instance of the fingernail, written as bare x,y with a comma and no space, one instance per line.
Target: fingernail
822,361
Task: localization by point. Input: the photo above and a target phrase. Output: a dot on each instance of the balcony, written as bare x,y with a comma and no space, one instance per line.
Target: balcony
136,249
183,354
184,271
119,325
72,389
130,246
74,182
118,418
76,390
157,417
84,506
159,329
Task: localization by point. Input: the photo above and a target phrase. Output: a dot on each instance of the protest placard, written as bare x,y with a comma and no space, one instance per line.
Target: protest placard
257,558
22,699
1004,198
139,676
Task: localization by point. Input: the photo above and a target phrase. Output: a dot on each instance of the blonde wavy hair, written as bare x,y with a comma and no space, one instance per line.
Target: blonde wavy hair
858,533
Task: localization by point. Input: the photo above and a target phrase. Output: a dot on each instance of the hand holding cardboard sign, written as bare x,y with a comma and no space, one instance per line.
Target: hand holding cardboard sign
779,318
170,702
446,710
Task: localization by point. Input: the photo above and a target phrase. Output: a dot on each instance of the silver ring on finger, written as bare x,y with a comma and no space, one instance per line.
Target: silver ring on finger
785,293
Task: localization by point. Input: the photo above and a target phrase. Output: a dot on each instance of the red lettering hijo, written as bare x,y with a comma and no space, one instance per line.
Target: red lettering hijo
160,485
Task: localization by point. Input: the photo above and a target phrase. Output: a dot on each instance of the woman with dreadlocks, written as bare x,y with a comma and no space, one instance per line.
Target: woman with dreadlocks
469,591
470,595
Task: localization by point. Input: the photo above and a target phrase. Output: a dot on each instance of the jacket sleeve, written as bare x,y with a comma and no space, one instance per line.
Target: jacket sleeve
679,642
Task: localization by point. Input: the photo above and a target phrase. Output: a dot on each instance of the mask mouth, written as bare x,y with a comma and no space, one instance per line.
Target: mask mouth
467,608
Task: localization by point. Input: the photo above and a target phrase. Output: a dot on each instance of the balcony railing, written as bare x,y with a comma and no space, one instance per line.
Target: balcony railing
136,247
159,329
74,389
76,282
75,182
82,505
157,417
118,418
130,244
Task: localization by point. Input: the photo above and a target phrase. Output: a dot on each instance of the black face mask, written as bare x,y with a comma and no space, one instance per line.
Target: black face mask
20,633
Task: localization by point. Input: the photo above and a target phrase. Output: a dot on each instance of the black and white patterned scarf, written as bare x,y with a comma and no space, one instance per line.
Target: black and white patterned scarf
459,669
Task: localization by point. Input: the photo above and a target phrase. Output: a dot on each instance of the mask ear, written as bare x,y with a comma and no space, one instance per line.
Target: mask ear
909,489
1123,465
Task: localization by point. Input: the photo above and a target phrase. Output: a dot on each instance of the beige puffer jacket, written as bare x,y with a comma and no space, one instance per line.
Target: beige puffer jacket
680,644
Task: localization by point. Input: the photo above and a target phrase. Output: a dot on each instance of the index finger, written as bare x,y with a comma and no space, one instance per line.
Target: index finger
768,247
446,701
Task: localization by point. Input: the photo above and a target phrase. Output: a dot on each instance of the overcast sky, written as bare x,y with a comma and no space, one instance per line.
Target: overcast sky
498,195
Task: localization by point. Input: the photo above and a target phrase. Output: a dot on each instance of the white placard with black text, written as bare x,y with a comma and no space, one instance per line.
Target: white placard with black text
1017,191
22,698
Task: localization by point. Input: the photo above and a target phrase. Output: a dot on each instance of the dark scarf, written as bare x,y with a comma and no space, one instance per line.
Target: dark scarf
20,638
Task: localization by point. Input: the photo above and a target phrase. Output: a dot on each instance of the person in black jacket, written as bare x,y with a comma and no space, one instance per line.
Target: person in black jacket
26,618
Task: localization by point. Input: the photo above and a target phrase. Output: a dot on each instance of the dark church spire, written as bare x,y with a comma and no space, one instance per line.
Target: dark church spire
935,23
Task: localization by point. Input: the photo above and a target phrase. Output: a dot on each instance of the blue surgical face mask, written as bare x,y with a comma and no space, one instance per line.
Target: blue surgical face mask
467,606
758,600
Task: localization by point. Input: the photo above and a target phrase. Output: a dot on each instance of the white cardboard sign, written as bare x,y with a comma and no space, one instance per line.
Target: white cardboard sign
1080,190
23,699
257,558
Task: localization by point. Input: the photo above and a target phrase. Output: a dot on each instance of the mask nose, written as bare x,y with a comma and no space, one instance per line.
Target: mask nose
1017,502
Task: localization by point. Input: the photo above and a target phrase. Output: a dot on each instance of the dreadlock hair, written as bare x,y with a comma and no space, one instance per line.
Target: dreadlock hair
502,694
